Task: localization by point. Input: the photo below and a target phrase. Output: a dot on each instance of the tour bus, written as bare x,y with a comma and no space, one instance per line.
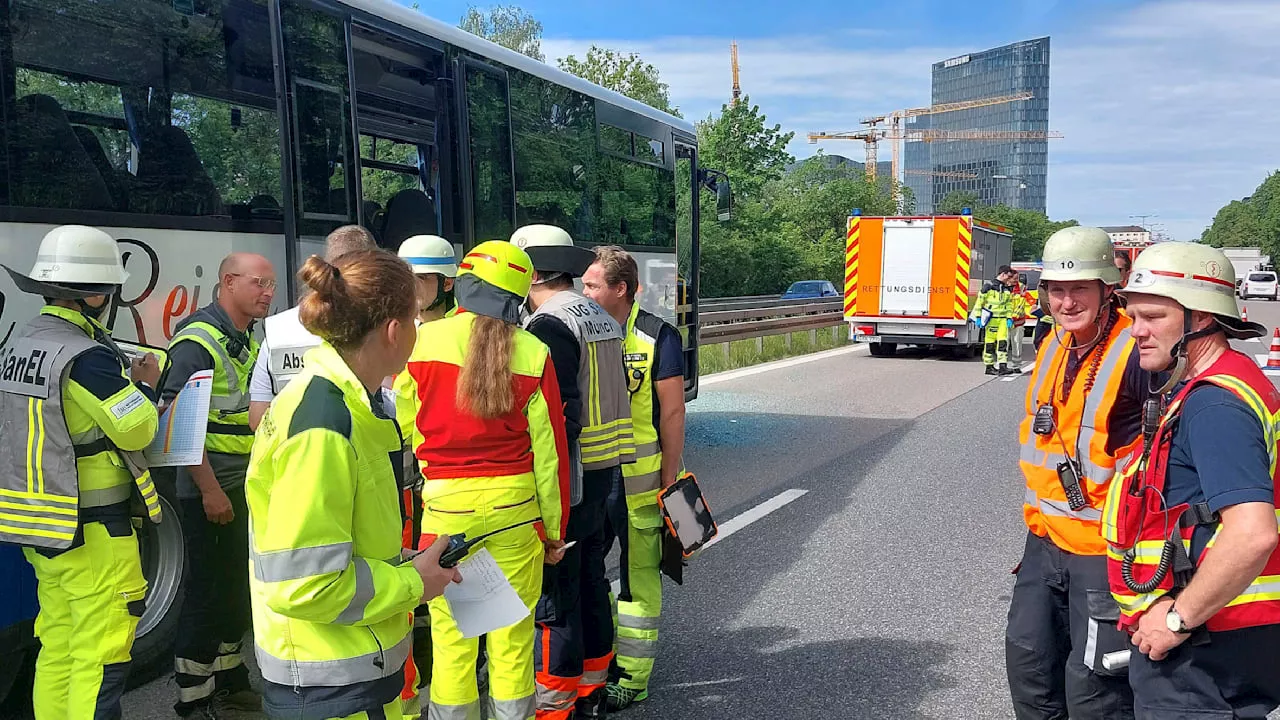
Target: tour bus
188,129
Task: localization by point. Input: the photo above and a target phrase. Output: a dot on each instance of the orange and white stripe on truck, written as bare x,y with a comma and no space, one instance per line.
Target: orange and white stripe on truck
964,252
851,266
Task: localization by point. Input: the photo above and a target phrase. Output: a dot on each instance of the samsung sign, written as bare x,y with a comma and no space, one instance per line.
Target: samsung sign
956,61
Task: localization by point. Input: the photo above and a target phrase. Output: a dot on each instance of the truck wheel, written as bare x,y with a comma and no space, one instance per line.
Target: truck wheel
163,563
883,349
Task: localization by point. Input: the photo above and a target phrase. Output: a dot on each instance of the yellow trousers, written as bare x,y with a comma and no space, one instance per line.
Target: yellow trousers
475,506
90,600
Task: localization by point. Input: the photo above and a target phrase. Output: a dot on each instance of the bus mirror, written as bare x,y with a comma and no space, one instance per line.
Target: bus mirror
718,183
724,200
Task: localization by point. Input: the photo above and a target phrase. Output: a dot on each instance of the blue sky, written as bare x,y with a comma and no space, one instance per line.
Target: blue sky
1168,108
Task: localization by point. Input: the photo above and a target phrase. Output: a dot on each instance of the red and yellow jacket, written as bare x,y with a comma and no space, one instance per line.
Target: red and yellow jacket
454,445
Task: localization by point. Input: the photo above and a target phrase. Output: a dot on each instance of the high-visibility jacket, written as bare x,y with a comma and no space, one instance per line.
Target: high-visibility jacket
606,439
643,478
1130,519
228,428
455,444
1081,428
286,342
406,388
64,449
1000,300
331,600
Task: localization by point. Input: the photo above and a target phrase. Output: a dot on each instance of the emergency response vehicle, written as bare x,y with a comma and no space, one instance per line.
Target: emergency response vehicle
912,280
189,130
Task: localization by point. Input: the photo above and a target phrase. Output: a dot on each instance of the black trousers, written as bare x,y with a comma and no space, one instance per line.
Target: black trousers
215,608
574,615
1062,620
1236,675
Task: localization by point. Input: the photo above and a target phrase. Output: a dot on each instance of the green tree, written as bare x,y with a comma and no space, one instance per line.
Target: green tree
741,143
1252,221
507,25
628,74
1030,229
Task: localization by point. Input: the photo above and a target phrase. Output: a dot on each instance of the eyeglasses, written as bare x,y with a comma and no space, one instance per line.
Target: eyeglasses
262,282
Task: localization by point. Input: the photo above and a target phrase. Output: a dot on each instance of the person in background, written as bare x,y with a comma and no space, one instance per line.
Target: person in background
208,662
494,454
285,340
332,599
575,620
994,312
434,268
1124,264
654,358
70,509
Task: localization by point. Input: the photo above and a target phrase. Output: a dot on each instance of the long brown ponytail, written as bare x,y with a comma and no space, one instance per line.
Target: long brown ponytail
485,386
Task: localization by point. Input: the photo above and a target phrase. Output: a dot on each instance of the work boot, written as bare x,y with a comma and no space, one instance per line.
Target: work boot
591,707
991,370
242,700
620,698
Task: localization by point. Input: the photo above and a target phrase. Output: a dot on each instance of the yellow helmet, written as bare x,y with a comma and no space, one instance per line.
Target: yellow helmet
494,280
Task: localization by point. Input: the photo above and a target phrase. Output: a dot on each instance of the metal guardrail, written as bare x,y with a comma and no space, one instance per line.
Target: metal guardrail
723,320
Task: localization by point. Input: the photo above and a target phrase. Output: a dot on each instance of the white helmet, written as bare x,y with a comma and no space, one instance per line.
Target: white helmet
74,261
428,254
1080,253
552,250
1197,277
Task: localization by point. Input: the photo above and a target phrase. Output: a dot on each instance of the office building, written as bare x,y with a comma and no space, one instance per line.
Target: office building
1008,172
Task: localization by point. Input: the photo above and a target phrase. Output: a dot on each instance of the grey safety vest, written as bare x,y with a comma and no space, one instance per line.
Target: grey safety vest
39,480
606,440
287,342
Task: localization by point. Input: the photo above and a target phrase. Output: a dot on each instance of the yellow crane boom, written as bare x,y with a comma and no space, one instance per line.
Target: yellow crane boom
737,88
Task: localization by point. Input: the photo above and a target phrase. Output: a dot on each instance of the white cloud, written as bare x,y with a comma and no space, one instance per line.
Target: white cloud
1167,108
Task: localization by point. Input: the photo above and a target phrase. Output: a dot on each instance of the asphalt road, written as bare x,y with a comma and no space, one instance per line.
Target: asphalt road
874,577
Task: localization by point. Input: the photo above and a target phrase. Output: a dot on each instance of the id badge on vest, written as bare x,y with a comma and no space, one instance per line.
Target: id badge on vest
285,363
25,366
637,367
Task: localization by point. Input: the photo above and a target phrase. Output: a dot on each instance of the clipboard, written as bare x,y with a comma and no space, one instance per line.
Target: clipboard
686,515
133,350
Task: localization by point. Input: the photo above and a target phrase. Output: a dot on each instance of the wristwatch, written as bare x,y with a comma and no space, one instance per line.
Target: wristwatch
1175,622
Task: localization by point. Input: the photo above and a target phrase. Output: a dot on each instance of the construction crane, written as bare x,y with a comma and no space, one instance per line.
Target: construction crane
894,133
956,175
737,88
872,136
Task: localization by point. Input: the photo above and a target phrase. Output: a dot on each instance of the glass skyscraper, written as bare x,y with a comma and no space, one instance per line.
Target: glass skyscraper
1008,172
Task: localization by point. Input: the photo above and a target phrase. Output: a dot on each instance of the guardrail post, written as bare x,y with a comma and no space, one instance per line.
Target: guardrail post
813,337
726,345
786,339
835,334
760,344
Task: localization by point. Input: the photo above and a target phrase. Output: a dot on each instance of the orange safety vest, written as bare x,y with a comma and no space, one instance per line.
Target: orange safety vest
1135,519
1081,429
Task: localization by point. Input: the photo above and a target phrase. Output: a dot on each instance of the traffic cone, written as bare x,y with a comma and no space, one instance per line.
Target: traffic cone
1273,355
1244,313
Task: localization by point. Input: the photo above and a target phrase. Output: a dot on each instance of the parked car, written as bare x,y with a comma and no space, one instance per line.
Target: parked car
805,289
1260,283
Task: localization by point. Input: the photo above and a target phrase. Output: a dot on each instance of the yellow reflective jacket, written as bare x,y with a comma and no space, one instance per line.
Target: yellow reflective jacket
332,602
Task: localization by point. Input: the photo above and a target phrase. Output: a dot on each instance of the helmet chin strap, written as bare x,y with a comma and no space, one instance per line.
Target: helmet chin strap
1177,367
91,312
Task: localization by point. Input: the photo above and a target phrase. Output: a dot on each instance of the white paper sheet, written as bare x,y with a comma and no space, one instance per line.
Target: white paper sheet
484,601
180,439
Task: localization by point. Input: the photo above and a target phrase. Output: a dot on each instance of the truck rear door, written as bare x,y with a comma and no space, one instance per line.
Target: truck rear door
906,267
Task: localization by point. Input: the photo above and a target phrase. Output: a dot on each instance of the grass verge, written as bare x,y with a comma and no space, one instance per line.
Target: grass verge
744,353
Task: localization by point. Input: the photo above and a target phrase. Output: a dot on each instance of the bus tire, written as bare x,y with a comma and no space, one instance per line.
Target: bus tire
164,557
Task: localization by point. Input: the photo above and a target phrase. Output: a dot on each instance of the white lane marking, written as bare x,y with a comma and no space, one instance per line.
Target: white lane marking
740,521
1026,370
778,364
707,683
